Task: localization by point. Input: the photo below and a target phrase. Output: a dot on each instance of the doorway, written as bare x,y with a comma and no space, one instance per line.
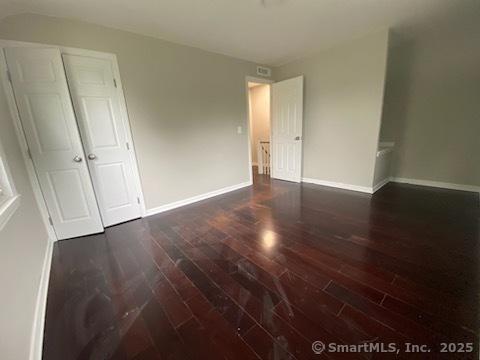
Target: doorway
275,112
260,129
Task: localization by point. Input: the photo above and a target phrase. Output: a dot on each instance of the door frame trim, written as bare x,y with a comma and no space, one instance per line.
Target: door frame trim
12,105
249,118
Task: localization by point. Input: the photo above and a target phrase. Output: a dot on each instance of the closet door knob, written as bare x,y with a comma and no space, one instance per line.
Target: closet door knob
77,159
92,156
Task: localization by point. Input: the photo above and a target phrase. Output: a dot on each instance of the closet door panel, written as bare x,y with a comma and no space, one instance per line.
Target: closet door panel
96,102
48,120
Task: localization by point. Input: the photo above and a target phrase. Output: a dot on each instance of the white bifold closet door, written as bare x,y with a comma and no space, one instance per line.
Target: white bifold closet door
48,120
102,124
287,124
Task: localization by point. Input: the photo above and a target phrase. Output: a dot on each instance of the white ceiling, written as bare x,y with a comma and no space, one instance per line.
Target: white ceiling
270,32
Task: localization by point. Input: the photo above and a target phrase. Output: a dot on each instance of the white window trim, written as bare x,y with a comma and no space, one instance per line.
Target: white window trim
9,197
12,201
8,209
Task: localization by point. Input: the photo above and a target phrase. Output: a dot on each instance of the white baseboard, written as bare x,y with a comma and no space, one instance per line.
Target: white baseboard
381,184
437,184
364,189
378,186
36,340
195,199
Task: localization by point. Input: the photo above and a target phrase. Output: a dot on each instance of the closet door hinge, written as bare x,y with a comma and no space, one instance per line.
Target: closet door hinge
50,221
29,153
115,82
138,200
9,76
128,146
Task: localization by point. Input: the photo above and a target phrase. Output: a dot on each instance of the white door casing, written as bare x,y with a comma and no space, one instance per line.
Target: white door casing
47,116
287,123
97,106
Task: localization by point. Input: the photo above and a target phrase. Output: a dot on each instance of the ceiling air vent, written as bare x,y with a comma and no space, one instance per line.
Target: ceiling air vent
264,71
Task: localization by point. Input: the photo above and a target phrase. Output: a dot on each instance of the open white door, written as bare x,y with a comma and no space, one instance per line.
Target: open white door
105,136
48,120
287,123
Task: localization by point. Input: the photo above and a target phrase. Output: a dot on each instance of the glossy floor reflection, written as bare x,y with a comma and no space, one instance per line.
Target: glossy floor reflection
263,272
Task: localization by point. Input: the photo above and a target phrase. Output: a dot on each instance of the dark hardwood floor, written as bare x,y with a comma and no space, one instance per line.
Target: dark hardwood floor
262,272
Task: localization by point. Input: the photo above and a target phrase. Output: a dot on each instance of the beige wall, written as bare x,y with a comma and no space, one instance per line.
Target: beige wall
23,243
342,109
184,104
259,116
432,105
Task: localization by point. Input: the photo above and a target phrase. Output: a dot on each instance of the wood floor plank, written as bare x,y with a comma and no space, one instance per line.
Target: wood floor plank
263,272
220,330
